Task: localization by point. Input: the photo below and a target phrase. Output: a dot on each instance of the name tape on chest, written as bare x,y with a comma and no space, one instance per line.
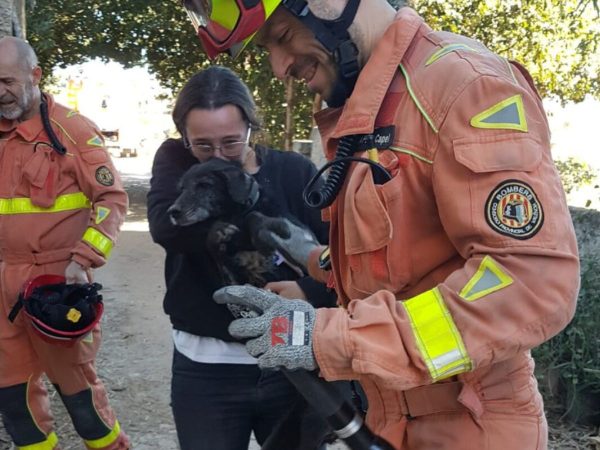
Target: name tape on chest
381,139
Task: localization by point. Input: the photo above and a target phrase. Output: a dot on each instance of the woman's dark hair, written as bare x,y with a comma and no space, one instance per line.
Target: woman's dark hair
213,88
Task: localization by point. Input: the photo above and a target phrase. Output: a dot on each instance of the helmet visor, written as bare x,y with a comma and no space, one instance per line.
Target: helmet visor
227,25
219,19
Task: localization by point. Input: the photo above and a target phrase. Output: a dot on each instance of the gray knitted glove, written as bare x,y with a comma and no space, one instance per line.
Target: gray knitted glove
293,241
283,330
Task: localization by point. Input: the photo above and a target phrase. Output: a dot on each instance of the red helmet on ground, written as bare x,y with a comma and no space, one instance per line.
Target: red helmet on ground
60,313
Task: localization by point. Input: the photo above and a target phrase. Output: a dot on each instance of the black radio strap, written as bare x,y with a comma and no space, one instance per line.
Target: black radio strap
56,144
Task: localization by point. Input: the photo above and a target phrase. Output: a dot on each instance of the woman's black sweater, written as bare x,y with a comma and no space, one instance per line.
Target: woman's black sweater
191,277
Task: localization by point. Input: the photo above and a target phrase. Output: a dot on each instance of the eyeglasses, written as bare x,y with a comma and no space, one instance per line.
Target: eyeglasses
227,149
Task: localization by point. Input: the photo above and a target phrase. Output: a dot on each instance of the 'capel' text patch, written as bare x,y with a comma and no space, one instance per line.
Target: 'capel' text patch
513,209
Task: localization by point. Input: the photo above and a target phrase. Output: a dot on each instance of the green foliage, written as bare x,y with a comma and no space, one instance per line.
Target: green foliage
158,34
558,40
574,173
568,365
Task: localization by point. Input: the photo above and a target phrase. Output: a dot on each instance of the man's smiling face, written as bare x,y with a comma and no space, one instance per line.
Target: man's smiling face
295,52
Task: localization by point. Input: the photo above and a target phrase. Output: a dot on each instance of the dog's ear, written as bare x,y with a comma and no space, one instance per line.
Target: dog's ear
240,185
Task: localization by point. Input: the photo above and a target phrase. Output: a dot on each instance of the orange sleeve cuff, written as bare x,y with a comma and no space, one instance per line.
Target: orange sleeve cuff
331,344
86,257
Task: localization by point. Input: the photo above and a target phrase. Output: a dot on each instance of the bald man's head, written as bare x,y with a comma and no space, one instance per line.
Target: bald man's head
20,50
19,79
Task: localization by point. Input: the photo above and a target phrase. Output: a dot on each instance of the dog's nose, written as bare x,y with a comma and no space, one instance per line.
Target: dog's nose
174,213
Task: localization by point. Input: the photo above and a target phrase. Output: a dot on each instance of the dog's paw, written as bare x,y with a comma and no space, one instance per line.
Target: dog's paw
220,235
254,265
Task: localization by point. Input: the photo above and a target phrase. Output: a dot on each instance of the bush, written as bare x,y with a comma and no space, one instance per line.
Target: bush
574,173
568,365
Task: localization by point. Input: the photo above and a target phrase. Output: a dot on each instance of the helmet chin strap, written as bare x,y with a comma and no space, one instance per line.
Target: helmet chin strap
334,36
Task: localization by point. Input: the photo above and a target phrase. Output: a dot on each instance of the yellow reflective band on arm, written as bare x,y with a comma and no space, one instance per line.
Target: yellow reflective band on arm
489,278
98,240
437,337
49,444
67,202
106,440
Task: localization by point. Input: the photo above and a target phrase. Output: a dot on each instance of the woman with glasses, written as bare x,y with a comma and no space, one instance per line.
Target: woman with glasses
218,393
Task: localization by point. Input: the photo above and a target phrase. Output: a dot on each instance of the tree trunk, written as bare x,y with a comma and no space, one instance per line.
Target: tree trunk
289,114
19,8
6,18
12,18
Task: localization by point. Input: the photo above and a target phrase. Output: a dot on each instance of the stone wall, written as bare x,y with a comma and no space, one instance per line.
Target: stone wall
587,229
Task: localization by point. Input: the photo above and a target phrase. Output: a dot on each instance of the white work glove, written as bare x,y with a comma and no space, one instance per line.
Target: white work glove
294,242
282,329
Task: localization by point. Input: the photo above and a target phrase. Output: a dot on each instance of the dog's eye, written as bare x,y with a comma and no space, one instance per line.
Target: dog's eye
203,184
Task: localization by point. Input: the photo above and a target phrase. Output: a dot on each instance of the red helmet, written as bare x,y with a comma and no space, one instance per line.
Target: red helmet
228,25
60,313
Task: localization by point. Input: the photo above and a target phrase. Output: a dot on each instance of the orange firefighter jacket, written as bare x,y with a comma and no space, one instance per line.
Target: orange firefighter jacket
453,270
57,207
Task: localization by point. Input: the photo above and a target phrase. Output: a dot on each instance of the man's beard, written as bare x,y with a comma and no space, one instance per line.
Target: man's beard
21,106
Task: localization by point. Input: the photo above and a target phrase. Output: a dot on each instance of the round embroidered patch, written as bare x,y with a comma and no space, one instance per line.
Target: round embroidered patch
104,176
513,209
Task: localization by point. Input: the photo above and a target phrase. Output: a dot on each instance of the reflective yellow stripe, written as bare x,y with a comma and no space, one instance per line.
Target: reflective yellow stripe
63,130
48,444
106,440
98,240
511,70
23,205
373,154
416,100
438,339
489,278
446,50
411,153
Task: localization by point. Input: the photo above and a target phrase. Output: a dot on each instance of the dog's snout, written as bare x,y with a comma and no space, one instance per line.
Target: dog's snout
174,213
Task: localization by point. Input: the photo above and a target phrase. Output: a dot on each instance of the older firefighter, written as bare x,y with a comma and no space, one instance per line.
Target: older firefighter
452,249
61,206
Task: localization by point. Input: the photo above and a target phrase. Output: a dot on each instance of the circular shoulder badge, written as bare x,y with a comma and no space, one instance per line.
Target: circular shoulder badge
513,209
104,176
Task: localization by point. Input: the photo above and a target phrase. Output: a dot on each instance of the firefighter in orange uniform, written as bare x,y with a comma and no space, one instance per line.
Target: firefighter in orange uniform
61,206
452,248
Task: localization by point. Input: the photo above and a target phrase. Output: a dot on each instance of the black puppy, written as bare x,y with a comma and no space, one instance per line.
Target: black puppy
220,194
231,203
